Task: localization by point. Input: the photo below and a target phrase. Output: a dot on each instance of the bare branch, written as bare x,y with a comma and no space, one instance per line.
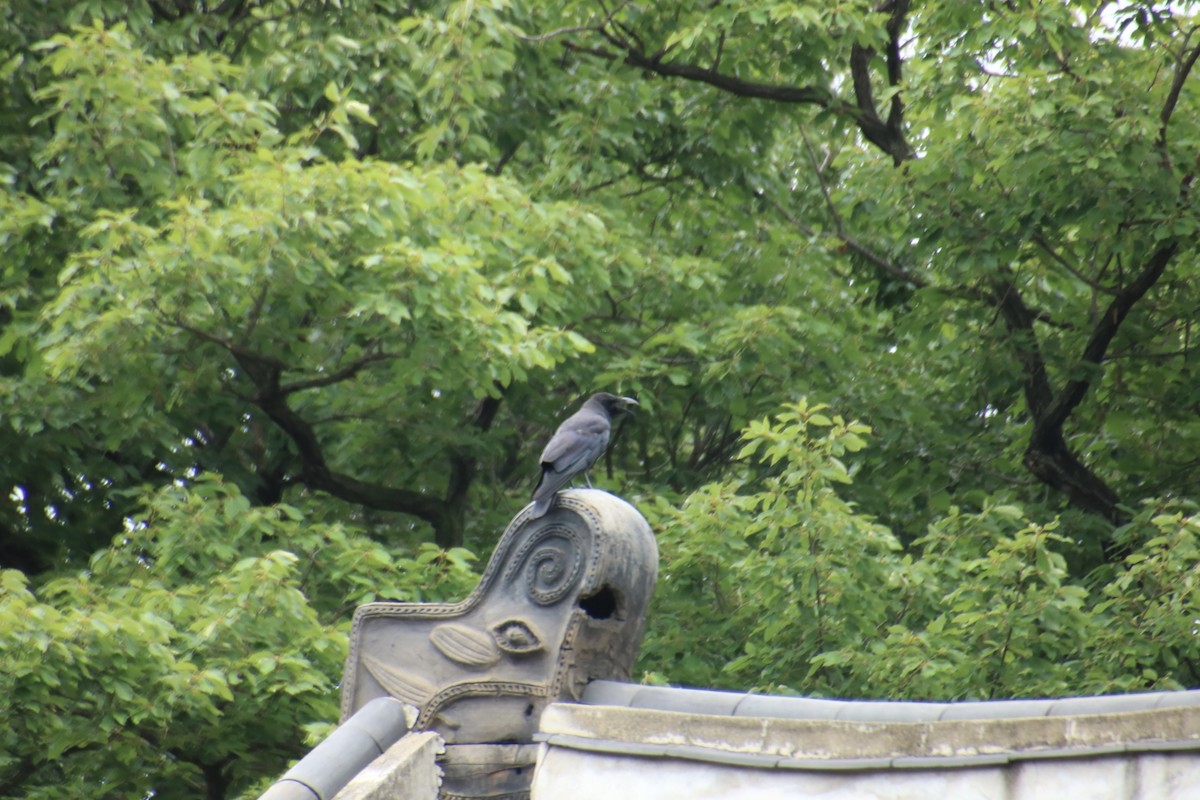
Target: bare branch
314,467
720,49
256,312
234,348
1059,259
1047,454
271,396
778,93
1182,70
895,29
819,171
888,136
1019,319
860,74
554,34
597,27
1102,335
345,373
890,267
632,36
633,54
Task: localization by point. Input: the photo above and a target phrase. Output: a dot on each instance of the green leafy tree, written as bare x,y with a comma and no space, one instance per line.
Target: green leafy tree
1033,203
332,272
816,597
196,653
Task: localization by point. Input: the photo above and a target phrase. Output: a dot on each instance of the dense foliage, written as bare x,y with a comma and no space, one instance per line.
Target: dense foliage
292,293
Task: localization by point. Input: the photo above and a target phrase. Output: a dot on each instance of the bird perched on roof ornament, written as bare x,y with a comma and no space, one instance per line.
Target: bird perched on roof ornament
579,441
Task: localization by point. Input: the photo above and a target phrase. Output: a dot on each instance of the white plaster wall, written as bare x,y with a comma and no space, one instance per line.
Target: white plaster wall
566,774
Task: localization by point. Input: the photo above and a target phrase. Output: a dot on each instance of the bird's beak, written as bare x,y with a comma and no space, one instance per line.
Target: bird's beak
627,402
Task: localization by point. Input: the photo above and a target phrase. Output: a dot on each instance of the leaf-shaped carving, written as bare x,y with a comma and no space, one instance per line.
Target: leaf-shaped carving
399,684
466,645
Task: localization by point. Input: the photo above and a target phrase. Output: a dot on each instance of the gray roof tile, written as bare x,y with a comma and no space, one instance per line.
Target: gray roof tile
721,703
996,709
1110,704
883,711
690,701
759,705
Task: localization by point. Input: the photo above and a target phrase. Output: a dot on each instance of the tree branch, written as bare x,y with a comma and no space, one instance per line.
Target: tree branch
314,468
819,173
233,348
887,136
890,267
895,29
345,373
1182,71
860,75
256,311
1059,259
1047,455
778,93
271,396
595,28
1019,320
1102,335
554,34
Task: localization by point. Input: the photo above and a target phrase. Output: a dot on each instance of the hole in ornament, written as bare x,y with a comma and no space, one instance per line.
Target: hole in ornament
601,605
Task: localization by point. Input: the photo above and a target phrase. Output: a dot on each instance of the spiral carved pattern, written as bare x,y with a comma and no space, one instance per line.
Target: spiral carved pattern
550,564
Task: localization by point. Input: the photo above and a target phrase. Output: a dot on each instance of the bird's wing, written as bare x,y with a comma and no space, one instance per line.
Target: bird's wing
576,444
569,453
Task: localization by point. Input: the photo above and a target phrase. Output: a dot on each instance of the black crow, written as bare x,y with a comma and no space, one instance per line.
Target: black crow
575,446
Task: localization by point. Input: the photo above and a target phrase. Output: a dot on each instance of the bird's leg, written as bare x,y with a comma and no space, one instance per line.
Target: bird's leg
588,480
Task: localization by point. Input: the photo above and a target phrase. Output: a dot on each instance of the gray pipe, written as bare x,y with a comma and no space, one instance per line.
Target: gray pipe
353,745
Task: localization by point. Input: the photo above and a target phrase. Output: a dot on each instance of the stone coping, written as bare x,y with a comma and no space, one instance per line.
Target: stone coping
1162,722
724,703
